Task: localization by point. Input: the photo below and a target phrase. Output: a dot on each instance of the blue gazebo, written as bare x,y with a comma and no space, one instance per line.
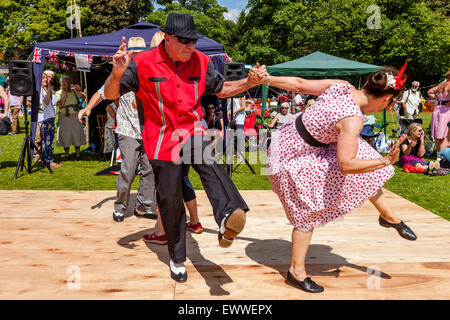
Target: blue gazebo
104,45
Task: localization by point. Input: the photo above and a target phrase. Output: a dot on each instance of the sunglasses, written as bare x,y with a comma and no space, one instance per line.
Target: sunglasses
186,41
211,108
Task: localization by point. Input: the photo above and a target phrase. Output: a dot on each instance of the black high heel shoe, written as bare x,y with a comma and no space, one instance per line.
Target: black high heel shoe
403,230
306,285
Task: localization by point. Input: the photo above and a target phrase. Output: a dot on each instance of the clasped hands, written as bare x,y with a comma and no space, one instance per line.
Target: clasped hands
258,74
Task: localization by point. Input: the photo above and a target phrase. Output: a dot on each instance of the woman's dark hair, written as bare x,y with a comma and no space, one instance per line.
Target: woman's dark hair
376,83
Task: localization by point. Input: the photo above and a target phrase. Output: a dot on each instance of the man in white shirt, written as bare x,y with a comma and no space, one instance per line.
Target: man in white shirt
410,101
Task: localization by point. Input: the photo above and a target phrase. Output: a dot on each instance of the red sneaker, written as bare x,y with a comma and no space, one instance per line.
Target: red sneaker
195,228
153,238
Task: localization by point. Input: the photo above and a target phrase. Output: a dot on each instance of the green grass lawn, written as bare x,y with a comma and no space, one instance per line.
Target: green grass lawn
431,193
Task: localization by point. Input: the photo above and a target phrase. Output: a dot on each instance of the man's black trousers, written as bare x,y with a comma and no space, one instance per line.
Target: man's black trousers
220,189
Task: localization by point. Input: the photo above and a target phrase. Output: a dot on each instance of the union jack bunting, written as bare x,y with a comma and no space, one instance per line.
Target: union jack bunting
37,55
105,58
227,58
52,55
90,58
69,54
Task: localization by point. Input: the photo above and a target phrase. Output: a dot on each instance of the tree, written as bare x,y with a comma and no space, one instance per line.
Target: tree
391,33
23,23
106,16
208,18
264,39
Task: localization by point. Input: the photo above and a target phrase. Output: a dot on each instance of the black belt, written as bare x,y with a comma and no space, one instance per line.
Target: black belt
306,135
66,108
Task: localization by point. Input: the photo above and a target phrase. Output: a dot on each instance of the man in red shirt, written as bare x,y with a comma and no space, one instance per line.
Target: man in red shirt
169,81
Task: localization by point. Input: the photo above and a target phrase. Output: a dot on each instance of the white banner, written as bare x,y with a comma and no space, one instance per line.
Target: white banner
82,62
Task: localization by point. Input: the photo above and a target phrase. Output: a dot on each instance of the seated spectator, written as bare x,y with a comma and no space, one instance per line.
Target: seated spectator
281,118
213,120
413,149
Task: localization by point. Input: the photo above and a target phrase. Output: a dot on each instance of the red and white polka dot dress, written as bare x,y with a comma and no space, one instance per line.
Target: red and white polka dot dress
307,179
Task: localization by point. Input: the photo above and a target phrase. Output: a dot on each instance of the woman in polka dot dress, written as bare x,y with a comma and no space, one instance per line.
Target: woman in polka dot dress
320,167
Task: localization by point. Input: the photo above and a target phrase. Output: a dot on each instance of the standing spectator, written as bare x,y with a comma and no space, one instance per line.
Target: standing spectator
38,135
110,125
46,120
441,113
15,104
128,129
410,101
4,97
239,117
298,102
70,130
4,103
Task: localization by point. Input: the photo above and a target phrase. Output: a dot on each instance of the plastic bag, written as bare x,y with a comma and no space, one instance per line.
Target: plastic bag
381,145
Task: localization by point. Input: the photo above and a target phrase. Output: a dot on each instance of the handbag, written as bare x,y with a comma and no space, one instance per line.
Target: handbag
5,126
233,125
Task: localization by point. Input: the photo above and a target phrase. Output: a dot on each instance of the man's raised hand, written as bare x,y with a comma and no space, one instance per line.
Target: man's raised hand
122,57
258,74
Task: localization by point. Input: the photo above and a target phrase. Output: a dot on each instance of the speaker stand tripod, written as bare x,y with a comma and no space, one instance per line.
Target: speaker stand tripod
229,159
25,154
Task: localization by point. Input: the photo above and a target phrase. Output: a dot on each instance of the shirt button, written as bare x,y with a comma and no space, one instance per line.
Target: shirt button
178,86
179,101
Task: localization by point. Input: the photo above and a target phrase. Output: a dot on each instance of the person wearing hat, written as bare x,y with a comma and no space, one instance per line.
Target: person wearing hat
169,81
132,151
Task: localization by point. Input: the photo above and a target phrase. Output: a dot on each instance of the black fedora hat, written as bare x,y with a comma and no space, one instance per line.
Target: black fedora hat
181,25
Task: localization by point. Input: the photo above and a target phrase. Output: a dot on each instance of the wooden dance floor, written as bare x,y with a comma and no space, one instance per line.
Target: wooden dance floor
65,245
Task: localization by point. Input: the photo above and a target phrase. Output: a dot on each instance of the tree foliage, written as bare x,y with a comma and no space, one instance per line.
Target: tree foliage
281,30
382,32
23,23
208,17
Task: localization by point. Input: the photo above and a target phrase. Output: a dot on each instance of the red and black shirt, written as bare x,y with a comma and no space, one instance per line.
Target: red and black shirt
169,96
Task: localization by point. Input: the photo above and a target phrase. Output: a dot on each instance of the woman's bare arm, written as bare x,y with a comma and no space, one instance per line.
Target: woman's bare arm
274,122
432,92
347,148
313,87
